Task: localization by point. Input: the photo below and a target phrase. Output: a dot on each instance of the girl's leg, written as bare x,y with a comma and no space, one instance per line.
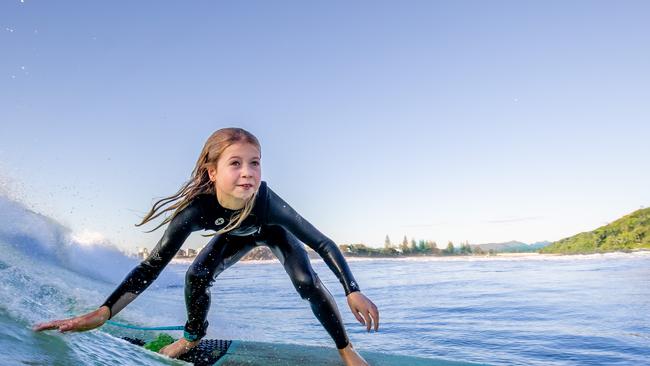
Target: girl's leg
293,257
220,253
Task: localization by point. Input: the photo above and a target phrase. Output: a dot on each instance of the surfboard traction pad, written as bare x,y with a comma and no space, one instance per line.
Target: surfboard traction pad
206,353
219,352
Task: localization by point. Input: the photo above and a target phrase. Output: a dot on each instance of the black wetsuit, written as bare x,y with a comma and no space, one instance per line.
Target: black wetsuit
273,223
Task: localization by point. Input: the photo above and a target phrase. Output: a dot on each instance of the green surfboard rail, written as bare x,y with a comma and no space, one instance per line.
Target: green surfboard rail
249,353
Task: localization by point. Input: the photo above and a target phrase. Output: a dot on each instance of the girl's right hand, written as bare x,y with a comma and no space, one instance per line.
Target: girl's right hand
80,323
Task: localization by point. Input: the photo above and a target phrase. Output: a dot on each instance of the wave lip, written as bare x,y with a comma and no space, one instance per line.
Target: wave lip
43,240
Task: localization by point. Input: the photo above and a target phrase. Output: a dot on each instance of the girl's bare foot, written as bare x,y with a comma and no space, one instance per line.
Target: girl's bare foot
178,348
351,358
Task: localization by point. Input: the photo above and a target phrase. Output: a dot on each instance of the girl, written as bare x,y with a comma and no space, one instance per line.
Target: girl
226,195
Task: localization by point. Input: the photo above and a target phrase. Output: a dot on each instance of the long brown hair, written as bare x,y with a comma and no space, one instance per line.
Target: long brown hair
200,183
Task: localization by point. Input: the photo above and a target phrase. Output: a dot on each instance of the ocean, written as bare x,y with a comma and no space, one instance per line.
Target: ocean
530,310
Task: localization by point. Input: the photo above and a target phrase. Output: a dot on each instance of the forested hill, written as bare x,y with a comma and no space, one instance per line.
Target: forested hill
629,232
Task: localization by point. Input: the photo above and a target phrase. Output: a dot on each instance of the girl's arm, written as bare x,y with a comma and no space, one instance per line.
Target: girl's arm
139,278
280,213
179,228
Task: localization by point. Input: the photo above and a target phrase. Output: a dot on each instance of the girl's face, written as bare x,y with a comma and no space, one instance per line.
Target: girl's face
237,175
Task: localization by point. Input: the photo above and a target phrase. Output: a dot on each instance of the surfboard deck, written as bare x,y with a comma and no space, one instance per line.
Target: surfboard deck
217,352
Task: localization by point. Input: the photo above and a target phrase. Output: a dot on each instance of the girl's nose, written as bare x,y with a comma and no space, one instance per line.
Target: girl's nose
247,170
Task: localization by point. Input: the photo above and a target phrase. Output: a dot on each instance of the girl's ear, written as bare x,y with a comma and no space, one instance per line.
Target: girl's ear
212,173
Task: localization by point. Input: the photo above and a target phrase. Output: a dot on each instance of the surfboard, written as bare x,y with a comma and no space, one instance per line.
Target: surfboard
217,352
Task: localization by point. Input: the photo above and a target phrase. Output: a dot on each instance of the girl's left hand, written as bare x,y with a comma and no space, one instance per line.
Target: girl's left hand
363,309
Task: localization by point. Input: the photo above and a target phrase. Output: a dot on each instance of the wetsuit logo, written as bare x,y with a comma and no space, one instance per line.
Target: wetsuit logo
219,221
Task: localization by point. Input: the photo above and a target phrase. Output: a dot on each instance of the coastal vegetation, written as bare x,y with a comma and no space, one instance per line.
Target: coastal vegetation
421,247
412,248
430,248
630,232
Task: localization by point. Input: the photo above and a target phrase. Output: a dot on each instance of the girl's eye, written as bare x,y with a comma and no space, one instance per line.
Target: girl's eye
234,163
256,163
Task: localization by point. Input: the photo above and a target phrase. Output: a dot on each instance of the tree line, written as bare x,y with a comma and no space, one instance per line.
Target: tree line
412,247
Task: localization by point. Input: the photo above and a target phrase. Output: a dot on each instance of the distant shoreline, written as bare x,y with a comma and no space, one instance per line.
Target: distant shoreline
497,256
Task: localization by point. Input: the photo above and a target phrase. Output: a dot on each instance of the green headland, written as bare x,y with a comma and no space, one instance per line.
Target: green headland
630,232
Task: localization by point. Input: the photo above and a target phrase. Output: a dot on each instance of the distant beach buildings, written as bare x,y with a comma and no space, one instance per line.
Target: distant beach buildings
143,253
189,253
182,253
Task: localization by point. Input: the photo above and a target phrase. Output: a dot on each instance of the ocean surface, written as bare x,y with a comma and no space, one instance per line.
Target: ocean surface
537,310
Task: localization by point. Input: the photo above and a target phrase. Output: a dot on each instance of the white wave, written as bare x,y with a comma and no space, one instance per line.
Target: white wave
89,238
49,272
42,239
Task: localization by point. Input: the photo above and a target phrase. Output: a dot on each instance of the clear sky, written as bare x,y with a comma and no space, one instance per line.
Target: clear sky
457,120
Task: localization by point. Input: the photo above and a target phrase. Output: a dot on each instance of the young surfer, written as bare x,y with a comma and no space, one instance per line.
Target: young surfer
226,194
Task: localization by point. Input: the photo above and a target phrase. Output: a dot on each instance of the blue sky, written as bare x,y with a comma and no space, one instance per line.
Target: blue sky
461,120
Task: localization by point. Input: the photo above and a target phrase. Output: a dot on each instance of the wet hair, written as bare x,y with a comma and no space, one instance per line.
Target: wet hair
200,183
